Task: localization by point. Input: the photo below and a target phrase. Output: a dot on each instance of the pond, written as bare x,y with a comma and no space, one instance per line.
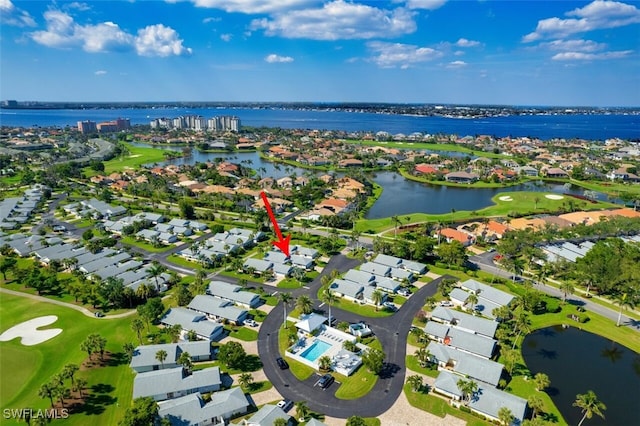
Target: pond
576,362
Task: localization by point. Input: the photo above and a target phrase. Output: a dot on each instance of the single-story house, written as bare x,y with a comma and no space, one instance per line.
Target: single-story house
190,320
302,262
465,322
464,364
458,339
192,410
461,177
282,269
260,266
305,251
387,284
488,401
387,260
489,298
233,293
175,382
144,357
376,269
360,277
216,308
267,415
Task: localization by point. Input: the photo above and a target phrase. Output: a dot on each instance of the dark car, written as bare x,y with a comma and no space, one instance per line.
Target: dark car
282,363
325,381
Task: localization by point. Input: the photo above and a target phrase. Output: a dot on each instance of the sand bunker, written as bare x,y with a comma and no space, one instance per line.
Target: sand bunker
29,332
554,197
505,198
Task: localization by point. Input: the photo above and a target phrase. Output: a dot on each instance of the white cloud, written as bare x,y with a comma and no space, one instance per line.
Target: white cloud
83,7
11,15
273,58
63,32
158,40
463,42
596,15
573,45
254,6
100,72
456,64
338,20
391,55
423,4
226,37
458,53
211,19
582,56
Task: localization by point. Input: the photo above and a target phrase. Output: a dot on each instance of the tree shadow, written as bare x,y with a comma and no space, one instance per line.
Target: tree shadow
389,370
96,400
250,363
545,353
116,359
552,391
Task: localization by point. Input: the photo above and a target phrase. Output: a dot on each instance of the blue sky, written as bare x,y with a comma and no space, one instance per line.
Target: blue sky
414,51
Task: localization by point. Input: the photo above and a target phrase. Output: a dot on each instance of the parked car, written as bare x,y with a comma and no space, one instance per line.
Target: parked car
282,363
404,292
250,322
325,381
59,228
390,306
446,303
98,314
285,404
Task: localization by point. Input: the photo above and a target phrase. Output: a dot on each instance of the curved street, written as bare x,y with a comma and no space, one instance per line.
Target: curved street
392,332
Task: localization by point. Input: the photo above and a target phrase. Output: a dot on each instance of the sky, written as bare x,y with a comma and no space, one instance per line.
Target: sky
555,53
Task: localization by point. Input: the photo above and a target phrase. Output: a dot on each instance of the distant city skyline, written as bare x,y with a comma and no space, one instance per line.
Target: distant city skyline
566,53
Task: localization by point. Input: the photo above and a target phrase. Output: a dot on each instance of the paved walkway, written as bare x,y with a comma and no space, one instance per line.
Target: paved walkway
65,304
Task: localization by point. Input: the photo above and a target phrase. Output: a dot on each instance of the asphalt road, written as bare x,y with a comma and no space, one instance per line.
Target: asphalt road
392,332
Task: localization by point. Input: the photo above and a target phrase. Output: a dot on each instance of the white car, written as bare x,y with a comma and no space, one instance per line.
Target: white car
285,404
446,303
390,306
250,322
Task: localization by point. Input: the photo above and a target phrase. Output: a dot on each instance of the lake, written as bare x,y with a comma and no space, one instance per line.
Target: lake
576,362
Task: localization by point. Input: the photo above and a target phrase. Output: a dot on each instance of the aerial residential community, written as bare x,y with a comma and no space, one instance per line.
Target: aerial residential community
332,212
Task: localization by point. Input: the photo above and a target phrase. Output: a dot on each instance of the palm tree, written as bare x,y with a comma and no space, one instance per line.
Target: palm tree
155,271
285,298
137,325
280,422
415,382
472,299
69,371
506,416
328,297
161,355
79,385
590,405
46,391
396,221
424,356
536,404
245,380
622,300
418,333
541,381
566,288
377,297
468,388
522,324
302,410
324,363
305,304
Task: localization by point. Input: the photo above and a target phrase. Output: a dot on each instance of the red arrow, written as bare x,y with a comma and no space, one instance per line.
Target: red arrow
282,243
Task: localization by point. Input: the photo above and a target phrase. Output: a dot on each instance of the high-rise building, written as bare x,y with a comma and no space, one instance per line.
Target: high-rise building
87,126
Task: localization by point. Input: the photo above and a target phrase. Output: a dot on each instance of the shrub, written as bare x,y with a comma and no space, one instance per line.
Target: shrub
553,305
583,318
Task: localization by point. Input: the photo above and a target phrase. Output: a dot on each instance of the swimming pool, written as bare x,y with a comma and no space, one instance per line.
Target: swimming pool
314,351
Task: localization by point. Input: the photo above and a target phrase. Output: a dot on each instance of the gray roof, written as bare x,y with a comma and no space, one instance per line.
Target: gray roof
305,251
146,355
258,264
281,268
315,422
191,409
103,262
375,268
190,320
179,222
487,292
174,380
459,294
232,292
301,260
448,382
360,277
489,400
267,415
276,257
468,342
104,208
416,267
467,365
347,288
387,260
400,274
387,284
465,321
218,307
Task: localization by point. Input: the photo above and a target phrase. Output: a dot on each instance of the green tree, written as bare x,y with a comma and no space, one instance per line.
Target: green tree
590,405
161,356
566,288
182,295
185,360
377,296
7,264
129,349
79,385
232,354
137,325
373,359
144,412
415,382
536,404
285,298
46,391
623,300
452,253
87,235
69,371
155,271
505,416
468,389
356,421
472,299
541,381
302,411
187,210
304,304
324,363
279,422
329,297
423,355
245,380
61,392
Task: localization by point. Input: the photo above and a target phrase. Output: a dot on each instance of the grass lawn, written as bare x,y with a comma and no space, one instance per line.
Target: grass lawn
612,188
524,389
522,203
257,387
138,156
356,308
414,365
242,333
110,386
357,385
132,241
440,407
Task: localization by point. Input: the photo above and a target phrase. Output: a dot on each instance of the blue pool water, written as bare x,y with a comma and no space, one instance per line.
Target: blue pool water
314,351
